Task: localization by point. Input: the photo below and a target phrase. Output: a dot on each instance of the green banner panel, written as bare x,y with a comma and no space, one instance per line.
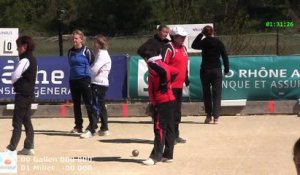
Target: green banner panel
250,77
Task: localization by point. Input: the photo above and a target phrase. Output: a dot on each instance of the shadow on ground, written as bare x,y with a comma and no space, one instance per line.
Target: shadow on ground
143,141
112,159
192,122
131,122
55,133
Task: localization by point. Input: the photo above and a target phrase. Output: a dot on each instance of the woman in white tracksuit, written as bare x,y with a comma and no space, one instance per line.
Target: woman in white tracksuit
100,71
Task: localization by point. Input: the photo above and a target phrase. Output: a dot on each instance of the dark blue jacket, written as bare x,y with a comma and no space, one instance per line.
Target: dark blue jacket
80,61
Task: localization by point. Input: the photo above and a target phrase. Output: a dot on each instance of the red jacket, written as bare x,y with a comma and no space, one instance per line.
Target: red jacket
176,57
156,96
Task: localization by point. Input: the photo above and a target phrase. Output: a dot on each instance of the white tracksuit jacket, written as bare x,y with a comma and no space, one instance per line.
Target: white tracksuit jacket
101,68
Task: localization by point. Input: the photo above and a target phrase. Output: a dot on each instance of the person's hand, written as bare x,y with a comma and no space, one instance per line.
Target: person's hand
163,87
152,108
203,31
173,77
187,82
226,71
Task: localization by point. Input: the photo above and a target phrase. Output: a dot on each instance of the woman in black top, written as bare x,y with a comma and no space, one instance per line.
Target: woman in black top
23,79
211,71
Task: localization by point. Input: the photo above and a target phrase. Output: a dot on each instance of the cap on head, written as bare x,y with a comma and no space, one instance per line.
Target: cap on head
177,30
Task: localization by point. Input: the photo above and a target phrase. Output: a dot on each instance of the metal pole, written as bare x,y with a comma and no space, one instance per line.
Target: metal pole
277,41
60,14
60,41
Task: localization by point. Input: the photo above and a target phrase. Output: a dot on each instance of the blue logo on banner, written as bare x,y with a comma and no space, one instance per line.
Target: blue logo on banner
52,82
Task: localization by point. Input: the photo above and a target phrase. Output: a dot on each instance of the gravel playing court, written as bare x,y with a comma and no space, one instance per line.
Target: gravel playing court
239,145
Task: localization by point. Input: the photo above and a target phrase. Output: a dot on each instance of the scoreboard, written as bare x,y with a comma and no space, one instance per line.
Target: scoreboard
8,37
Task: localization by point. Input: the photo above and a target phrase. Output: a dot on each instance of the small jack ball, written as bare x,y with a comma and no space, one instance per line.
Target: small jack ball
135,152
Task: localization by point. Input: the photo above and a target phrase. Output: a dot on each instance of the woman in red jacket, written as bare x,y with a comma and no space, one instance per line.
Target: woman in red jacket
162,100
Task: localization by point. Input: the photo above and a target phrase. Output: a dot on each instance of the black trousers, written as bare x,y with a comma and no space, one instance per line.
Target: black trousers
98,92
163,131
212,79
177,110
82,88
22,115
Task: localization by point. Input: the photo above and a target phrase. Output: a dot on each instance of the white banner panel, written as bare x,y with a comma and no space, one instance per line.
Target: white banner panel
8,37
193,30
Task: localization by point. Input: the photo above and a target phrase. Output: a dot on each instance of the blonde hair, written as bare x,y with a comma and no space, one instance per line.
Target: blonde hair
102,41
80,33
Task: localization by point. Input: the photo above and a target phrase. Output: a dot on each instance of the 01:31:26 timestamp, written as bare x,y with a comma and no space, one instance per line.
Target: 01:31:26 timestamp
279,24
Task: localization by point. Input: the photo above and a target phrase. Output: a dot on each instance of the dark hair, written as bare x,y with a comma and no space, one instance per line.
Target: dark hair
208,31
162,26
26,40
296,148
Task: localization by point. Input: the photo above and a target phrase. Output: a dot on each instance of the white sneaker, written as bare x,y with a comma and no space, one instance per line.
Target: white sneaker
103,133
24,151
166,160
9,151
149,162
86,134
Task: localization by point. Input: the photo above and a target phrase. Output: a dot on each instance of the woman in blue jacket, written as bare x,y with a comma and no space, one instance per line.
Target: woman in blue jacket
80,60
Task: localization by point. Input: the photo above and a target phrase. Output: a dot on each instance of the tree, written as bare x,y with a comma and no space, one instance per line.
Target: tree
25,15
294,11
119,17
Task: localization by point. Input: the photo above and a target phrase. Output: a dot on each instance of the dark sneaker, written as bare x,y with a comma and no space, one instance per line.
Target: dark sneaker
180,140
216,120
103,133
208,120
166,160
24,151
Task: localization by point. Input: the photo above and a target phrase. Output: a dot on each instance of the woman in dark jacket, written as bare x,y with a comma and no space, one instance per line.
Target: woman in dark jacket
211,72
23,79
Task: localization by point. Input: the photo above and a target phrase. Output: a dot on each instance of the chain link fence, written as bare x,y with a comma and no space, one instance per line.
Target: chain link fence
249,44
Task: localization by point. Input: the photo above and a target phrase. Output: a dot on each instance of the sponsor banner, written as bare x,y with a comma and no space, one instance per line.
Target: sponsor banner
250,77
263,78
52,83
118,78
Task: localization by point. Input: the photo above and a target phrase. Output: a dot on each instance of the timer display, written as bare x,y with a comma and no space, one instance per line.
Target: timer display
279,24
